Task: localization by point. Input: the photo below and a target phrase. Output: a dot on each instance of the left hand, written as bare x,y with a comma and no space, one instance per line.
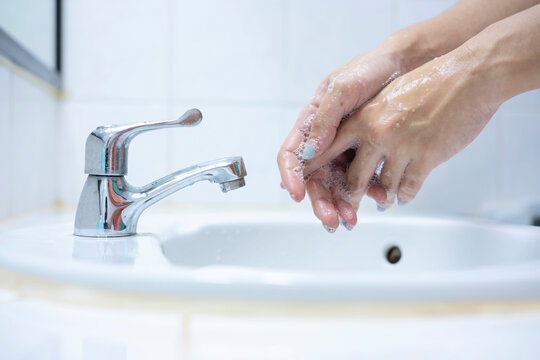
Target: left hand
417,122
341,92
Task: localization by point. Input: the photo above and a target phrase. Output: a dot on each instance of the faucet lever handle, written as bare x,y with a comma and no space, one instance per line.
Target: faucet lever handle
107,146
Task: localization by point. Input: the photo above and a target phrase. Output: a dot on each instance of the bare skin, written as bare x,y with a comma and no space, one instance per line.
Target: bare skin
419,120
353,84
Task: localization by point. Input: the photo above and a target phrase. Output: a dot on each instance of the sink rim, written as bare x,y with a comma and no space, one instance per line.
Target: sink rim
505,282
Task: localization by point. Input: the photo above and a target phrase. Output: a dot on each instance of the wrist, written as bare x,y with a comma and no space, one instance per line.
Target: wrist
410,48
505,60
468,69
506,55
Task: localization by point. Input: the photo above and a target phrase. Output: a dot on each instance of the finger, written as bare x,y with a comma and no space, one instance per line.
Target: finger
412,181
346,138
289,165
323,205
338,188
339,100
361,170
391,175
288,159
377,193
347,214
291,175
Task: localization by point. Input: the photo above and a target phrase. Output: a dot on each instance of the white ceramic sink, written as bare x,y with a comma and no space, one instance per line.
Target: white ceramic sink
426,245
285,256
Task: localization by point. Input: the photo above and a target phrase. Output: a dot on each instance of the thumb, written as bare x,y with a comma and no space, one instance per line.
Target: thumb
335,105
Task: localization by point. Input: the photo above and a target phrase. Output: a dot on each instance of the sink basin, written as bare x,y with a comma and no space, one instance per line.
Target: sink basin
285,256
421,245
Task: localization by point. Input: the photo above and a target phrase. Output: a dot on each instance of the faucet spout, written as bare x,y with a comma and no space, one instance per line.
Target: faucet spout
222,171
109,206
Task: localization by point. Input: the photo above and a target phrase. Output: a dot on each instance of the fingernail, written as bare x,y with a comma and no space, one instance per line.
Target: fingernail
346,225
282,185
380,208
309,152
401,203
329,229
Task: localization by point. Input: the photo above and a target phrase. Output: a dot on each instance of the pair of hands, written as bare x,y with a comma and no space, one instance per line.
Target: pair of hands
374,128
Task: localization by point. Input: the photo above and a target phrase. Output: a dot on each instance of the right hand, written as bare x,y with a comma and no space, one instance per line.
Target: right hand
338,95
414,124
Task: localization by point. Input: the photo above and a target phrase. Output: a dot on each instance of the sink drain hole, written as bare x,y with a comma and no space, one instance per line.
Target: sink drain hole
393,254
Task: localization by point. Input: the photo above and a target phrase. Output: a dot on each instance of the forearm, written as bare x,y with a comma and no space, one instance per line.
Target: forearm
420,43
509,54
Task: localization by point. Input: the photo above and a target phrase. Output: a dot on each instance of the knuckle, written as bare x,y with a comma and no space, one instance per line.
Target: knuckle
318,125
341,84
409,187
411,183
390,178
388,183
380,130
378,135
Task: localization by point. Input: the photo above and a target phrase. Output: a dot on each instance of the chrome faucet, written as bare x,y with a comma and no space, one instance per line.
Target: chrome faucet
109,206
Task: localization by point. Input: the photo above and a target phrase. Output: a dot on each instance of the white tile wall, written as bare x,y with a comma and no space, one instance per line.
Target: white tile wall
323,35
249,131
116,49
227,50
527,102
520,148
34,135
249,66
520,163
28,120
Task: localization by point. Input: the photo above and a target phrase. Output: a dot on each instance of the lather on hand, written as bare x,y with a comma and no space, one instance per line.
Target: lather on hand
419,120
